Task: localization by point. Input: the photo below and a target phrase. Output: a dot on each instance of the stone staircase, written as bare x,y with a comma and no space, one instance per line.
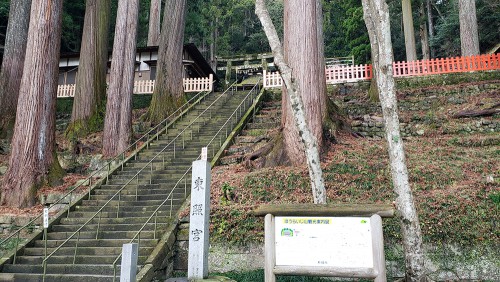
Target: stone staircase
115,212
256,132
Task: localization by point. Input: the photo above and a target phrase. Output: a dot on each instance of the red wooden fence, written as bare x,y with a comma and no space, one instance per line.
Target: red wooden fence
342,74
447,65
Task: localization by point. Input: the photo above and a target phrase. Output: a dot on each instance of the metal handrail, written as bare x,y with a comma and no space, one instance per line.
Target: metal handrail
170,195
107,165
44,262
155,214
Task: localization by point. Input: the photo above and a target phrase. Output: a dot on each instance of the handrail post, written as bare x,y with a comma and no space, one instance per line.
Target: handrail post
17,245
76,247
151,173
156,221
107,174
171,204
185,186
98,225
119,200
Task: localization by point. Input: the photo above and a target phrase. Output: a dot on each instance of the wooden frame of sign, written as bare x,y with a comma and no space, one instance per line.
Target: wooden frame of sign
321,243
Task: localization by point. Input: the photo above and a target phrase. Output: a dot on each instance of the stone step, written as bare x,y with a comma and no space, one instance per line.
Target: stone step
158,163
111,227
246,139
130,206
263,125
122,214
102,234
136,220
87,251
266,118
31,277
169,169
85,269
131,200
124,179
131,186
126,203
145,188
101,243
141,191
130,195
80,259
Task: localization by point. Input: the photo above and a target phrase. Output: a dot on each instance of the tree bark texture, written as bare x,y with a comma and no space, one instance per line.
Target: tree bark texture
424,35
297,107
90,92
376,15
469,37
154,23
300,50
430,22
33,144
118,120
411,50
321,62
169,90
13,63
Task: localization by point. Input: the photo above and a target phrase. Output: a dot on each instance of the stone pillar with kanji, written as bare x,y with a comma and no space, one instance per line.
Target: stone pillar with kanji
199,219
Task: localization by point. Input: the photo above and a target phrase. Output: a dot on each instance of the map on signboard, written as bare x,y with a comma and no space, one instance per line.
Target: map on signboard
324,241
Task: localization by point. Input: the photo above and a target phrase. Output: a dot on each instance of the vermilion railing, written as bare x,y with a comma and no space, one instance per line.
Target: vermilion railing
447,65
354,73
147,86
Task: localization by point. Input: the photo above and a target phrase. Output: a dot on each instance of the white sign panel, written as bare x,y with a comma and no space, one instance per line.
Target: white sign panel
324,241
45,218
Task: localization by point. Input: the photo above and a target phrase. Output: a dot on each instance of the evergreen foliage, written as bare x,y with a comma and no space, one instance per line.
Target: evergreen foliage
239,32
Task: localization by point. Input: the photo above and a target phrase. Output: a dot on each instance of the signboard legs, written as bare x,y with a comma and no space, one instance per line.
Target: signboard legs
269,246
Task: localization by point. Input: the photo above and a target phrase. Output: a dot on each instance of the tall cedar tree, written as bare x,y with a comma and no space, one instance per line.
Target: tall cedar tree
90,92
169,93
411,50
301,42
376,14
297,111
469,37
33,159
118,120
424,34
13,63
154,23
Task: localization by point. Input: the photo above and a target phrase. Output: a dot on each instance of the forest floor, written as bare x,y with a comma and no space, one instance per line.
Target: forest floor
452,172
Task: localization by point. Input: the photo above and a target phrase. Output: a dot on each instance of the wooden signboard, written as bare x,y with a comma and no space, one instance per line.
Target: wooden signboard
324,246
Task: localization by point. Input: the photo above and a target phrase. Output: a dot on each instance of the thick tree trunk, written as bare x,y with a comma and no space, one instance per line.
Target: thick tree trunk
321,63
376,15
424,36
33,159
13,63
469,38
430,22
154,23
90,93
213,46
295,94
411,50
118,120
169,92
300,50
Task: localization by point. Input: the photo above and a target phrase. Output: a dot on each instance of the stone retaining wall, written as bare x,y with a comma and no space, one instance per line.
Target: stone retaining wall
367,118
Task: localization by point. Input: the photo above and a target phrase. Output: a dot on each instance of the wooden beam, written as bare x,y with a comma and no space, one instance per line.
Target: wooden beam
383,210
